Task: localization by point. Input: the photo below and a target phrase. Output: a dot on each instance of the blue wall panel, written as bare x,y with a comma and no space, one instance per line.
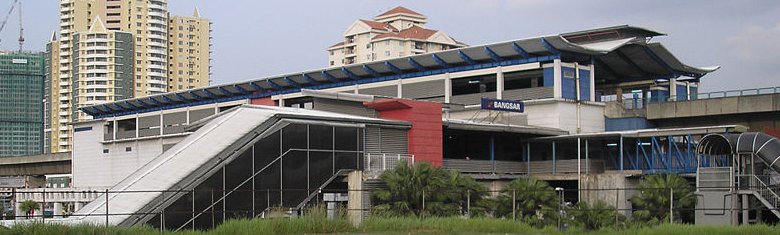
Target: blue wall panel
568,83
682,92
585,85
549,77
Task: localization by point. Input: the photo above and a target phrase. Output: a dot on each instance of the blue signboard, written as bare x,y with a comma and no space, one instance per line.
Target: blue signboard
503,105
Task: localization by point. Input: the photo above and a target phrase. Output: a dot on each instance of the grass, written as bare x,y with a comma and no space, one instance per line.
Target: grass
405,225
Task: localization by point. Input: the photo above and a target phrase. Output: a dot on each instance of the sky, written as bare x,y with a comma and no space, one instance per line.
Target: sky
255,39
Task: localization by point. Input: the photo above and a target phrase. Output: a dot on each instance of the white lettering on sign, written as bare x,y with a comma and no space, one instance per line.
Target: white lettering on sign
506,105
19,61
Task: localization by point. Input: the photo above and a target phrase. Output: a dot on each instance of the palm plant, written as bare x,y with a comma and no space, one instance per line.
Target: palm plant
656,192
534,200
424,189
596,216
29,207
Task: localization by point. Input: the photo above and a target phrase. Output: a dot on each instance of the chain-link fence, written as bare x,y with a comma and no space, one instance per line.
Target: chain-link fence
556,203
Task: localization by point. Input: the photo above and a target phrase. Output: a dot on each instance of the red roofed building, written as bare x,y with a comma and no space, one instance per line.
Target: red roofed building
395,33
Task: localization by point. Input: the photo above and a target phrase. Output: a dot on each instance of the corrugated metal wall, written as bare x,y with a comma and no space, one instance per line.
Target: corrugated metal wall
423,89
391,91
386,140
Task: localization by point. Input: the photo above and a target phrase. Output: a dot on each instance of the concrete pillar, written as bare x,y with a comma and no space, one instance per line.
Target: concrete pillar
557,92
592,82
499,83
57,209
357,89
619,94
355,197
281,101
447,88
400,88
673,89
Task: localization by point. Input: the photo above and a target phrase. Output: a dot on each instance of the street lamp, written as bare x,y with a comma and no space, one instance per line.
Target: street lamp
560,205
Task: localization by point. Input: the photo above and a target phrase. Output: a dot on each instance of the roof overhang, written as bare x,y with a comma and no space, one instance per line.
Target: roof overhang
614,50
496,127
648,133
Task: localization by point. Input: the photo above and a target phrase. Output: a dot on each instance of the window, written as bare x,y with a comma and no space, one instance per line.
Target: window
387,43
105,150
387,53
128,149
368,45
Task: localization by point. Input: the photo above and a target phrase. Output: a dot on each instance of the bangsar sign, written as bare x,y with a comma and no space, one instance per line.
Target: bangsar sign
503,105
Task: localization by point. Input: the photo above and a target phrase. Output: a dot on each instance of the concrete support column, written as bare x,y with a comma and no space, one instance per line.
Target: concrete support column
355,197
688,90
672,89
357,89
447,88
57,209
499,83
619,94
400,88
557,92
281,100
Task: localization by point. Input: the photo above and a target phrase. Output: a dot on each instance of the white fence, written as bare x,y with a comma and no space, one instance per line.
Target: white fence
379,162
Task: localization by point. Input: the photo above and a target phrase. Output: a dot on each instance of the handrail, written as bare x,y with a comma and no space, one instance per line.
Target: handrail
696,96
764,188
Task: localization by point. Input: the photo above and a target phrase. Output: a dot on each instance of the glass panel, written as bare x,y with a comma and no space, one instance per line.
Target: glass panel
346,138
206,193
320,137
178,213
266,150
320,168
346,160
294,177
269,183
294,136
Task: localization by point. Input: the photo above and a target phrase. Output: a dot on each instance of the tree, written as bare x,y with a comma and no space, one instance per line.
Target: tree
535,201
425,190
596,216
652,202
29,207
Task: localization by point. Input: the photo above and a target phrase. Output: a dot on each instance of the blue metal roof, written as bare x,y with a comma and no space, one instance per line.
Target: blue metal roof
613,64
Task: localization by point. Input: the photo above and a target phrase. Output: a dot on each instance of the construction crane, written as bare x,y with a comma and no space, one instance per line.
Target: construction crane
5,20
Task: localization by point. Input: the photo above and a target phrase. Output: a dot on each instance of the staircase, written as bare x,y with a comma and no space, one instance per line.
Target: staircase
765,194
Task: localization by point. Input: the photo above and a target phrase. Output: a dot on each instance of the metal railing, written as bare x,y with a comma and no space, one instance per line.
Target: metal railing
640,103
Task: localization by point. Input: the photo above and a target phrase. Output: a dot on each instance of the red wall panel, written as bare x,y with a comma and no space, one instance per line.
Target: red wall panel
425,136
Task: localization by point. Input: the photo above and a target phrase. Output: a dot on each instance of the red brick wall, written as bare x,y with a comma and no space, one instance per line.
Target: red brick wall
425,136
263,101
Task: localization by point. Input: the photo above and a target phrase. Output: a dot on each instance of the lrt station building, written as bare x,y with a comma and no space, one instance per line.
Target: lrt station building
528,107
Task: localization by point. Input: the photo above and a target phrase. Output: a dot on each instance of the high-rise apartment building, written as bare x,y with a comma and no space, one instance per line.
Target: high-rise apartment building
396,33
21,104
109,50
189,52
